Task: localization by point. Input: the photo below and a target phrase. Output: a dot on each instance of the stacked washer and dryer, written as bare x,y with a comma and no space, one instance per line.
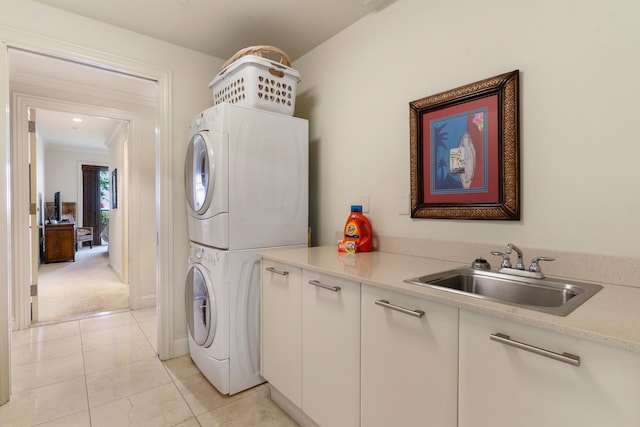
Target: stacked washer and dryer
246,175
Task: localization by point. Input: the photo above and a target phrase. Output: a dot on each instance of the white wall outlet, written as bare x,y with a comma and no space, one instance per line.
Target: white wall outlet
364,201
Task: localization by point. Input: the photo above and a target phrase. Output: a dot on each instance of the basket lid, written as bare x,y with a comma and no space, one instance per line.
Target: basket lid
254,59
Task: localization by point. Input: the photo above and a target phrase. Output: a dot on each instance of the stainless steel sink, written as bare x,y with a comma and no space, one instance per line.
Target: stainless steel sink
559,297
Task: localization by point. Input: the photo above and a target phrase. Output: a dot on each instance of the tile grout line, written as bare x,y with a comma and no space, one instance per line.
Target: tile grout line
173,380
155,350
164,366
84,371
57,382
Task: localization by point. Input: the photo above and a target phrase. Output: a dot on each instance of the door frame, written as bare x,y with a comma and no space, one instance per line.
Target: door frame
5,233
97,214
35,213
10,38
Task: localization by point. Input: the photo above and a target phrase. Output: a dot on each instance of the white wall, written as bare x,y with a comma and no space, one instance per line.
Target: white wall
117,145
579,68
190,74
61,174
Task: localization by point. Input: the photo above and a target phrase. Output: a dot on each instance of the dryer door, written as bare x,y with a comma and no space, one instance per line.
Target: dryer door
199,176
200,307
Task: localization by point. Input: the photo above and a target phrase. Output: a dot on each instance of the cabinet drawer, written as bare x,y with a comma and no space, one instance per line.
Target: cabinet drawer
532,386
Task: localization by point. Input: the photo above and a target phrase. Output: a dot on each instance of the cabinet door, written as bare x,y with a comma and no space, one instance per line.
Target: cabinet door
501,385
60,242
281,329
331,350
409,361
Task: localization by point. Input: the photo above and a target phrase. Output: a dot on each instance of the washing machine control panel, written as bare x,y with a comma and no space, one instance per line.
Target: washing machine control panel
209,258
199,254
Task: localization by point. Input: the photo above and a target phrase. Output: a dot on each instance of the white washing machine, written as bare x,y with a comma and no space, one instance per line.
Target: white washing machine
222,298
246,178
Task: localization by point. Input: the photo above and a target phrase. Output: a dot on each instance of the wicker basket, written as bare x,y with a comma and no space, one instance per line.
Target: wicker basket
251,80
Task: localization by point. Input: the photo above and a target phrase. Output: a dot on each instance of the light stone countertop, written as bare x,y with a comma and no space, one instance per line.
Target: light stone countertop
611,317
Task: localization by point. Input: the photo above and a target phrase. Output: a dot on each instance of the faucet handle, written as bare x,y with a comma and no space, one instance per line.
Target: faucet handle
534,263
506,261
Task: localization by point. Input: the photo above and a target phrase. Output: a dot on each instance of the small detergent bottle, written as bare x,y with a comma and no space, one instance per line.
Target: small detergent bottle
358,234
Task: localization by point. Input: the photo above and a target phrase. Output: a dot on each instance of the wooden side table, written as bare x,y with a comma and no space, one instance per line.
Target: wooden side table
59,242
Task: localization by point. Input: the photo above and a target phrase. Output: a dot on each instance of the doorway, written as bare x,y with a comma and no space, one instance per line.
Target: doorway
93,278
74,152
163,248
136,148
95,201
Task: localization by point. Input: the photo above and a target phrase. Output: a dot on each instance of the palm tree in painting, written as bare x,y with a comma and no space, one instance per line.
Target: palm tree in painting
441,168
439,138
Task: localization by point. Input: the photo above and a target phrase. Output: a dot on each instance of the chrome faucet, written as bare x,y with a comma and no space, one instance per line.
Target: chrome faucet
519,270
519,262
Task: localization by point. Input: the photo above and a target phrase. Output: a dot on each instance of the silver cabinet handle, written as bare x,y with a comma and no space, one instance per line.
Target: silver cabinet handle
387,304
569,358
275,270
324,285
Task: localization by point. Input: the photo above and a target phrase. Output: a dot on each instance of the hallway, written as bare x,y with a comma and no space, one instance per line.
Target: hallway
88,285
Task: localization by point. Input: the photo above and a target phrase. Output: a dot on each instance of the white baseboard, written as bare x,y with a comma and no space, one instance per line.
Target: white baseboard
291,409
148,301
180,347
117,271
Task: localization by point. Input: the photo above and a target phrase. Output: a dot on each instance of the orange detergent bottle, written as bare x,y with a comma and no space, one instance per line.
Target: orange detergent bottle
358,234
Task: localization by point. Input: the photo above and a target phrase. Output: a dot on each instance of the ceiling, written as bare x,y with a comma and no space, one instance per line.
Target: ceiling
222,27
74,131
214,27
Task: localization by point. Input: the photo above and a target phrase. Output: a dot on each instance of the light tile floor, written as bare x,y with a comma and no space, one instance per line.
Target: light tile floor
103,371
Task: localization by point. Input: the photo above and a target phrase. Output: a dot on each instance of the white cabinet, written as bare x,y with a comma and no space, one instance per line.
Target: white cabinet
318,323
281,329
330,350
349,354
409,361
504,386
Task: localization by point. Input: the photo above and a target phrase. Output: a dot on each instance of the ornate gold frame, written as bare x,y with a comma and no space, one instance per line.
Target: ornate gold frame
506,205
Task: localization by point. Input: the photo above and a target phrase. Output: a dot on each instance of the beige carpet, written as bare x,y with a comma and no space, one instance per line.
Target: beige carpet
88,285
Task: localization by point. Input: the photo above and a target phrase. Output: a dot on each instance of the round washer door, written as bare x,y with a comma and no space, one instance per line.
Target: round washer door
199,176
201,309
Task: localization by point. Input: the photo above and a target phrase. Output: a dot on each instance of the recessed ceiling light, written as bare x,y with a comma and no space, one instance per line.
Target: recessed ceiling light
77,119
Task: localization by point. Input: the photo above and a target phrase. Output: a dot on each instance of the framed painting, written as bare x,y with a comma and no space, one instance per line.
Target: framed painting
465,152
114,189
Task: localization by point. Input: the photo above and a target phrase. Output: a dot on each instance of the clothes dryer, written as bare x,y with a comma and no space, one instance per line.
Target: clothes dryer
246,178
